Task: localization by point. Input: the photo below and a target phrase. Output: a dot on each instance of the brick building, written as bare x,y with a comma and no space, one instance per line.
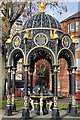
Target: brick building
71,26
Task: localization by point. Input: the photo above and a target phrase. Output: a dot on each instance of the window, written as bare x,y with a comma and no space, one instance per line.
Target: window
77,26
78,63
68,28
72,27
78,83
19,84
58,85
78,46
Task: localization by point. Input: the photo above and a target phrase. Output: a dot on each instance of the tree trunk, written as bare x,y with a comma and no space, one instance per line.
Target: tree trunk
3,76
8,26
0,74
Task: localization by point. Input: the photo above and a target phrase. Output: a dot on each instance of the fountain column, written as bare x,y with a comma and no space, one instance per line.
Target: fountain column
8,111
55,111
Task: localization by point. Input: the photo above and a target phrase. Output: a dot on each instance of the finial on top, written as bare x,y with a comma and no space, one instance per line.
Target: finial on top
42,6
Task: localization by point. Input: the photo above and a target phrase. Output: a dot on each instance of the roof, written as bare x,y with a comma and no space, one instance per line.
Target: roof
42,20
76,15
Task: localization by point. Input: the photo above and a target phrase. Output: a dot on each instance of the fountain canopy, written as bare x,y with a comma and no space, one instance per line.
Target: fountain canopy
42,20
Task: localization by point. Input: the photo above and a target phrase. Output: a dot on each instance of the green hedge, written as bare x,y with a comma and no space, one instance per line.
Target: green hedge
78,92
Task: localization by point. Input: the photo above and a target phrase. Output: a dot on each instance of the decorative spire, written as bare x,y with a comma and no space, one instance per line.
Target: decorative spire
42,6
53,34
74,40
9,39
28,34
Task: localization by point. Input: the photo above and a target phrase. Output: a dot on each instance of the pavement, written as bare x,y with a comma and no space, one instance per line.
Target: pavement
18,116
63,114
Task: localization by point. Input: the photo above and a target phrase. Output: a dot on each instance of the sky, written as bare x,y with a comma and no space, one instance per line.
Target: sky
72,6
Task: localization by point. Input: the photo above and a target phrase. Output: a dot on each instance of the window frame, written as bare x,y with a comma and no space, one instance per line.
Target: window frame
77,26
68,28
72,27
78,63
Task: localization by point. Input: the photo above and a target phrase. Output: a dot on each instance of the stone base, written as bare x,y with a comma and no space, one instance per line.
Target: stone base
14,107
8,111
69,108
73,111
55,113
25,114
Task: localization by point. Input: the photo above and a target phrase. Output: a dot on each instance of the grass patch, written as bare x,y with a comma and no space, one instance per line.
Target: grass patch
20,104
2,104
63,106
78,106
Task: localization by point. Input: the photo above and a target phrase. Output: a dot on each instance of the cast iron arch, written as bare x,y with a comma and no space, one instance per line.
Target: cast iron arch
41,48
67,55
13,53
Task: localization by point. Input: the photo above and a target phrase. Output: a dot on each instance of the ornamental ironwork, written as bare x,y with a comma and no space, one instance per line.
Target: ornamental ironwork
66,41
40,39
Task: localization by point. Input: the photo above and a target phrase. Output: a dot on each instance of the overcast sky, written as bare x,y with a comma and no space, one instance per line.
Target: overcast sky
72,7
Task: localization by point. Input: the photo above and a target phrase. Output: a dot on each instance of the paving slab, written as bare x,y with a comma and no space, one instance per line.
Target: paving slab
18,116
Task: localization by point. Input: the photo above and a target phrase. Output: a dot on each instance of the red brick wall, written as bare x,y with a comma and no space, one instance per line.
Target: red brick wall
63,76
78,54
64,26
65,79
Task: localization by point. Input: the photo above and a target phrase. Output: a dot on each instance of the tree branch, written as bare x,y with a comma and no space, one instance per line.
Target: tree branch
20,12
3,13
11,14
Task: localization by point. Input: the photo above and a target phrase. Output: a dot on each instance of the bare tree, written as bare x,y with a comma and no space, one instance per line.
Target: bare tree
54,5
11,12
57,6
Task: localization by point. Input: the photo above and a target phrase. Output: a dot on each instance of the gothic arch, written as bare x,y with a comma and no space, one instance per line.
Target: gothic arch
47,51
13,53
67,55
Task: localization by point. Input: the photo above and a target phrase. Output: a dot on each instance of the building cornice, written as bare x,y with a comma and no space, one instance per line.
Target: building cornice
74,16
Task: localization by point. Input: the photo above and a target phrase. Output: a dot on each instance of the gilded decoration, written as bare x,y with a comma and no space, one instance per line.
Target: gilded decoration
42,6
9,39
